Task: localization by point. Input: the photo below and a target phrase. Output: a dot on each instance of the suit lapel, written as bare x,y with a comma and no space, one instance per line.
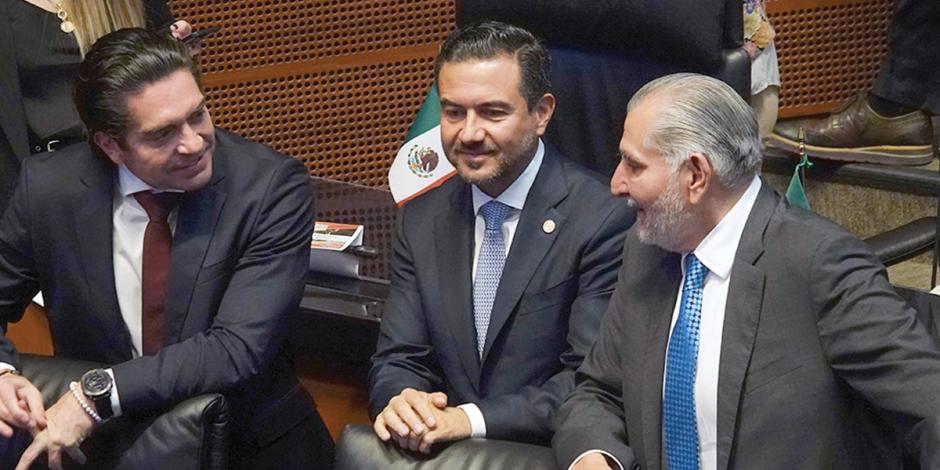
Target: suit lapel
198,215
94,216
530,243
453,240
742,316
660,300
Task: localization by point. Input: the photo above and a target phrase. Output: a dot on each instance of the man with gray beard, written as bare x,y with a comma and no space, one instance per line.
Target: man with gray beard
744,332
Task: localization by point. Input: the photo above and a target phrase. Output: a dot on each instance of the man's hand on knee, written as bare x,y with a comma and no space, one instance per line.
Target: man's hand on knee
408,416
20,405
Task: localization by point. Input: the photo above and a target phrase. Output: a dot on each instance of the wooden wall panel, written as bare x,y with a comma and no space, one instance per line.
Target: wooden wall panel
31,334
828,50
334,83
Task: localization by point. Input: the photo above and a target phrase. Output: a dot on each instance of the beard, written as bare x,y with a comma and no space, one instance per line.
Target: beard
665,221
506,164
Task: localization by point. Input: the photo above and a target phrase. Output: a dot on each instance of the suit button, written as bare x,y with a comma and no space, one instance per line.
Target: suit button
636,466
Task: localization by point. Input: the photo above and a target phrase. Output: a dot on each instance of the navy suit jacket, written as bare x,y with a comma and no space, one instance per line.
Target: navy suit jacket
813,337
237,268
554,288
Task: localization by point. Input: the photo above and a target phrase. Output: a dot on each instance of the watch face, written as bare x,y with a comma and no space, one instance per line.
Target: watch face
96,382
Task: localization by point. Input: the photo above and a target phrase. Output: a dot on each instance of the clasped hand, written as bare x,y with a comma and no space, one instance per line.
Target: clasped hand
61,429
67,425
415,420
20,405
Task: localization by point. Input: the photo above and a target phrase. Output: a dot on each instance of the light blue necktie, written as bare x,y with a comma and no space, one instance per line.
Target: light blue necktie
490,263
679,423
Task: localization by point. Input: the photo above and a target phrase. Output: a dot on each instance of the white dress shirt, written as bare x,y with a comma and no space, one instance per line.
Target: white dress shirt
514,196
129,221
716,252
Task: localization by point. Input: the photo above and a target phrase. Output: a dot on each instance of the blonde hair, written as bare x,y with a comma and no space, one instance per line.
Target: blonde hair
95,18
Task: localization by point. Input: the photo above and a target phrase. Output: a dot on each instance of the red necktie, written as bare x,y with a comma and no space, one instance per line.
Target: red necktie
158,241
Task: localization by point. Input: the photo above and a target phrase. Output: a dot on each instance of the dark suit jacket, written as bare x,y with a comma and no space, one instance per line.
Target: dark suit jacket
14,137
237,270
554,288
813,336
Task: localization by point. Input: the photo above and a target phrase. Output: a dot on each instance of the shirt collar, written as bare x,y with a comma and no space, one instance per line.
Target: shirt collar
129,183
718,248
515,195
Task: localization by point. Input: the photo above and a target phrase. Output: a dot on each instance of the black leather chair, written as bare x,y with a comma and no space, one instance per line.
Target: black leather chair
904,242
190,435
360,449
604,51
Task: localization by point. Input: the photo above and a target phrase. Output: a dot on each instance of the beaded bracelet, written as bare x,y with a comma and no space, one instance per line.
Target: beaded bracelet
73,387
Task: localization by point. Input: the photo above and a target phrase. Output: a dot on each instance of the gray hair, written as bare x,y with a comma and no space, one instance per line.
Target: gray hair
703,114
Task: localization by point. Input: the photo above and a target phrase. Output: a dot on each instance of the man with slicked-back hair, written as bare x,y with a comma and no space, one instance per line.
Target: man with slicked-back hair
172,252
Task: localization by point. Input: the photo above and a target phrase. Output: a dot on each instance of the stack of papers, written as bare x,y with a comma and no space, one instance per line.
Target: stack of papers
328,248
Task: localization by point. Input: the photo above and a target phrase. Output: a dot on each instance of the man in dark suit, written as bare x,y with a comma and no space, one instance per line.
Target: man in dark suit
205,314
501,275
750,333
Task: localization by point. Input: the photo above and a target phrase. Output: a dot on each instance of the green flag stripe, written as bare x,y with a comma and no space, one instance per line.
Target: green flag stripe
796,193
428,117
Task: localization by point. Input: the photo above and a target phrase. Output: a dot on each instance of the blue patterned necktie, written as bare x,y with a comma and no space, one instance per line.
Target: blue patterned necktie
490,263
679,422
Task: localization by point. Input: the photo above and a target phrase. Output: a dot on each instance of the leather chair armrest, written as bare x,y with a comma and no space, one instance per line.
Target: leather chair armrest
360,449
192,434
904,242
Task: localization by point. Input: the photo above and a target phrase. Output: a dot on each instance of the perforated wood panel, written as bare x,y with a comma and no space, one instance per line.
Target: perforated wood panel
345,124
370,207
334,83
828,50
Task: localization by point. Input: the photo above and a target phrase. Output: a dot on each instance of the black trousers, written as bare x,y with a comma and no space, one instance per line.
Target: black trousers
11,449
910,74
307,446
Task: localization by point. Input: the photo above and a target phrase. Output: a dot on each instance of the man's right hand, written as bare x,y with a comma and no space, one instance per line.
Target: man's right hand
20,405
408,416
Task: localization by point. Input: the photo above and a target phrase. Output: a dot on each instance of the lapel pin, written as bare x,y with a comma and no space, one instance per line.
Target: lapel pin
548,226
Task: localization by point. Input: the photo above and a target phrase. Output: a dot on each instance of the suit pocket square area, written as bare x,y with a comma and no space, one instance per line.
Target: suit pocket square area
559,293
761,375
215,269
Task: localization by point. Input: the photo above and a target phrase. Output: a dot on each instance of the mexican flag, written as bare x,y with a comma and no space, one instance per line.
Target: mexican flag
420,164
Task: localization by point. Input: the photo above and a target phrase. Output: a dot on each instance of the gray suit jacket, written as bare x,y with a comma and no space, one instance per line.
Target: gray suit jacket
554,288
814,335
237,271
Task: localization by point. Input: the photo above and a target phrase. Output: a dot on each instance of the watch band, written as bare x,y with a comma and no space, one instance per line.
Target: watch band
103,405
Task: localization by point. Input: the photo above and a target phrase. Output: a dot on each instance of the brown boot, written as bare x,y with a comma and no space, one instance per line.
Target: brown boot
856,133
